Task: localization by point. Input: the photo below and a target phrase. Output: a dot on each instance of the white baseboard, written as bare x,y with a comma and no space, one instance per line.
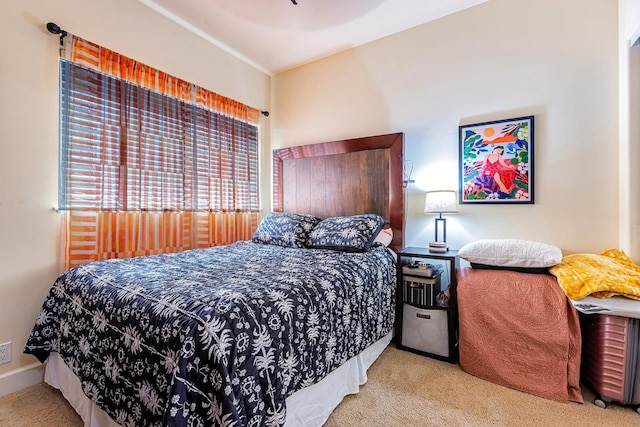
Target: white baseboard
20,378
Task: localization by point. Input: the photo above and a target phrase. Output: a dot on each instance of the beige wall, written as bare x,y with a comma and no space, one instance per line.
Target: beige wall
556,60
29,122
632,159
629,108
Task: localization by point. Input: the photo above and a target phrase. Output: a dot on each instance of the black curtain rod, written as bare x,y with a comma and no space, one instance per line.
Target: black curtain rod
55,29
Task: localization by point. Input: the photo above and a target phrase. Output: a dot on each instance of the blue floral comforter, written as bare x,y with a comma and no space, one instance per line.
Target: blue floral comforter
217,336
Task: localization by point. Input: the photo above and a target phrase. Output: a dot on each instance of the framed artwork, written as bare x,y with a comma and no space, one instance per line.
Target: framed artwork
496,161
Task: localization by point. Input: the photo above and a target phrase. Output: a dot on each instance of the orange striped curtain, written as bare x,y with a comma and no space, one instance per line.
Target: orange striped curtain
92,236
96,235
92,56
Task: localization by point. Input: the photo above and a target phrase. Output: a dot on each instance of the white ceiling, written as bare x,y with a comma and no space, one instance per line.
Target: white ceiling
276,35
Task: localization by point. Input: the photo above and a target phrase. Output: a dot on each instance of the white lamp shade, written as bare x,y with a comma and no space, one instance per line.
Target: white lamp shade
440,201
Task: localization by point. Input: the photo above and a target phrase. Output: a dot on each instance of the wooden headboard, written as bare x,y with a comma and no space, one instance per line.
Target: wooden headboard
338,178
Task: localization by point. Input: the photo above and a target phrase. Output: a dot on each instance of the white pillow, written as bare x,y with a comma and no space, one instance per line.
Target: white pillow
385,236
511,253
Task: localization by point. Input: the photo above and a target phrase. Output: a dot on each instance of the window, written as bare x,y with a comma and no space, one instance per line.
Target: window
149,163
128,148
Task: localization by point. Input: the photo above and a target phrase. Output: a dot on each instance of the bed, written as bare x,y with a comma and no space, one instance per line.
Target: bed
164,340
517,327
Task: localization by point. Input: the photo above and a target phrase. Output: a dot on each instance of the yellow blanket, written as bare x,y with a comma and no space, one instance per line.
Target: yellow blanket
605,275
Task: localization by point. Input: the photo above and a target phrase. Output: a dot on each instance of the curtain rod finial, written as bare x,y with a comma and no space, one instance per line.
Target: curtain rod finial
55,29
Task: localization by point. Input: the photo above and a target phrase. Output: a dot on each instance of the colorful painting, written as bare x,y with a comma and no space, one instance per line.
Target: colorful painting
496,161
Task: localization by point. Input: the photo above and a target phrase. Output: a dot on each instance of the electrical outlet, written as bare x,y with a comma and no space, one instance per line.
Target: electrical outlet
5,352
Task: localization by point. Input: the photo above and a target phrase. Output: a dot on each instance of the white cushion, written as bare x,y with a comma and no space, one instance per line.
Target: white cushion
511,253
385,236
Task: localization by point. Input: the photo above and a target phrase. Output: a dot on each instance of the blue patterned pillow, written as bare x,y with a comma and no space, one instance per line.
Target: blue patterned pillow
346,233
285,229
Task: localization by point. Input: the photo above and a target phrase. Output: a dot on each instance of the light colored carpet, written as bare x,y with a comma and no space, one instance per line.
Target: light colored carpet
37,406
404,389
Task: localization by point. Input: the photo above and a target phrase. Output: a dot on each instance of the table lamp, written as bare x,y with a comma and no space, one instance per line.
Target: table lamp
439,202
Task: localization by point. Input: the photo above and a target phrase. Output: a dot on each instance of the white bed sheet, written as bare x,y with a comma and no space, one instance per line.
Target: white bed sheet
308,407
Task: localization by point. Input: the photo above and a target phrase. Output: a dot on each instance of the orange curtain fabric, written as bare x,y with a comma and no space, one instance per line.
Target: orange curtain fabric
91,235
91,55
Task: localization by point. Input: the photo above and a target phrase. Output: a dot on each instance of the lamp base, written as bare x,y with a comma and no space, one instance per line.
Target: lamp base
438,247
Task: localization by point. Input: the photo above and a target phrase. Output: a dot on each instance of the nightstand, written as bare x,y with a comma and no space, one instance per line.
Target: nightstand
422,326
